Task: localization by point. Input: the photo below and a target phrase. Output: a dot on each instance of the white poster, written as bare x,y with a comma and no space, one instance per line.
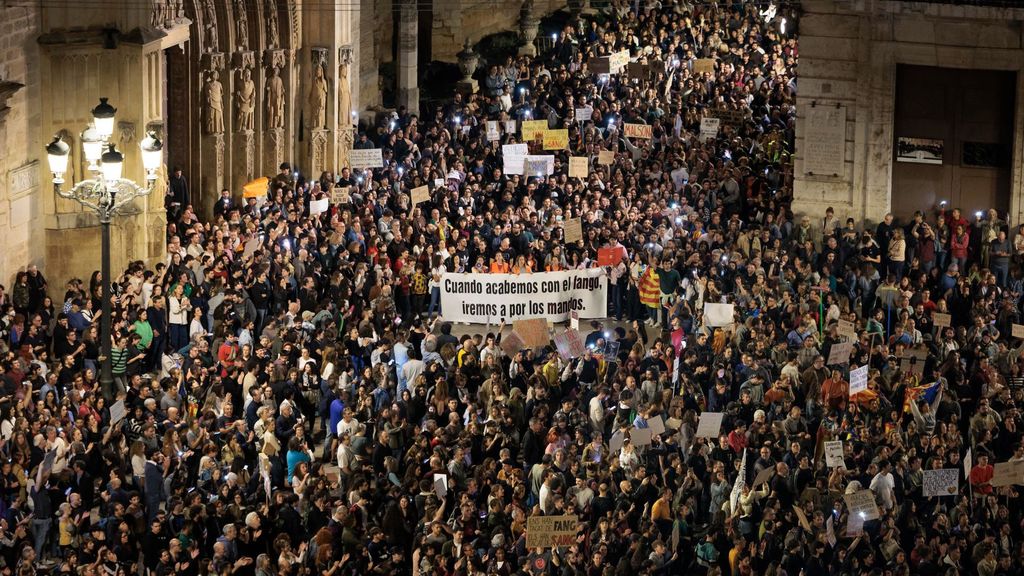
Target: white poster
710,424
718,314
319,206
709,128
834,454
944,482
584,114
493,133
824,148
513,156
862,505
118,411
542,164
858,380
968,464
369,158
479,298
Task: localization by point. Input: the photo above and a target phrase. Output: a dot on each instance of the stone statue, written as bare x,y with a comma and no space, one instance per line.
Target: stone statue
246,100
213,100
344,95
318,100
243,25
272,32
210,25
275,100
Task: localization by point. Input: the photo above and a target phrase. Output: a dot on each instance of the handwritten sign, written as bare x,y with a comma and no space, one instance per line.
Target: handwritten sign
704,65
858,380
606,157
709,128
533,129
513,156
641,131
493,131
539,165
551,531
579,167
862,505
573,230
944,482
1017,330
341,195
584,114
834,454
570,344
319,206
117,412
441,485
847,329
1007,473
556,139
574,320
710,424
840,353
617,61
368,158
512,344
420,194
940,320
533,331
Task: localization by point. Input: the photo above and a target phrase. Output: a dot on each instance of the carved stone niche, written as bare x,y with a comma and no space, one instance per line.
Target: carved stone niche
240,60
318,56
213,61
275,58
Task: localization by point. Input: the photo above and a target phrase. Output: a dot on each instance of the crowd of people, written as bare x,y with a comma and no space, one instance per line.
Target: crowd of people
287,398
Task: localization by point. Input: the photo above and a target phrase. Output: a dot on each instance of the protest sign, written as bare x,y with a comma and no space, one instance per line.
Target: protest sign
510,126
656,424
493,131
709,425
538,165
573,230
802,517
579,167
48,461
584,114
420,194
570,344
478,298
1017,330
858,380
556,139
512,344
1007,473
606,157
610,256
638,70
940,320
673,423
611,351
617,61
642,131
944,482
862,504
513,156
640,436
840,353
847,329
763,476
441,485
599,65
319,206
118,411
834,454
718,314
256,188
551,531
533,331
574,320
341,195
366,158
709,128
968,464
533,129
702,65
732,117
615,442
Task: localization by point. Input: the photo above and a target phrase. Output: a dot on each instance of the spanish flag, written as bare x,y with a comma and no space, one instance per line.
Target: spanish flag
650,290
924,392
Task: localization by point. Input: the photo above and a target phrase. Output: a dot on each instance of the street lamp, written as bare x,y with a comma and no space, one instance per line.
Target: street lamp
104,195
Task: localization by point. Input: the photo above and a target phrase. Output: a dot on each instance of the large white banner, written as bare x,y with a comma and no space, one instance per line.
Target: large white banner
491,298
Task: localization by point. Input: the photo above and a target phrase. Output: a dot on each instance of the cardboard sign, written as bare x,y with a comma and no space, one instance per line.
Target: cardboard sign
342,195
656,425
579,167
48,461
641,436
802,517
840,353
599,65
674,423
606,157
533,129
319,206
732,117
615,443
834,454
510,126
533,331
709,128
617,61
940,320
251,246
538,165
493,131
551,531
847,329
573,230
574,320
718,314
1007,473
611,351
858,380
419,194
512,344
118,411
763,476
368,158
710,424
570,344
642,131
584,114
1017,330
704,65
441,485
862,505
610,256
556,139
968,464
944,482
513,156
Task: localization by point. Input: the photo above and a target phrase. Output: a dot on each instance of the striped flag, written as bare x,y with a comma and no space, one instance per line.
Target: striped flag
737,486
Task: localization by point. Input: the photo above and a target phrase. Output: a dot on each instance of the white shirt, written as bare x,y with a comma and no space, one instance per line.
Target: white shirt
883,485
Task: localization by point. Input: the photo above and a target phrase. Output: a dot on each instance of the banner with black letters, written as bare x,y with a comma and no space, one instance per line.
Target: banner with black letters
491,298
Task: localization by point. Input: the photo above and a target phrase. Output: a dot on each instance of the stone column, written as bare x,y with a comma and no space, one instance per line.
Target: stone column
319,133
214,119
408,40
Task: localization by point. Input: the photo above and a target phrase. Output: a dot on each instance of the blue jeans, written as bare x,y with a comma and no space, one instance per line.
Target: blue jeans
40,530
1002,273
435,300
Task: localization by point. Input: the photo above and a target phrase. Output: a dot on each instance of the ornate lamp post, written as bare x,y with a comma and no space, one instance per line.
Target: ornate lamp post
105,195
